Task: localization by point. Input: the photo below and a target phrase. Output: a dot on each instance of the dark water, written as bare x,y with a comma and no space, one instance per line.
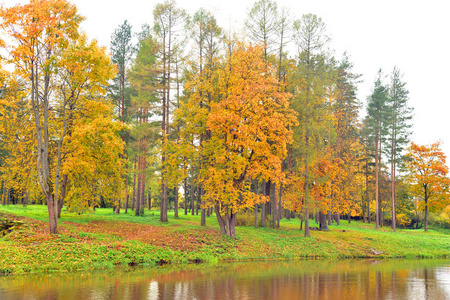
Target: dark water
349,279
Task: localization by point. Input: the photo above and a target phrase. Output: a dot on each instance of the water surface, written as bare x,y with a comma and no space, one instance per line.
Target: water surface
348,279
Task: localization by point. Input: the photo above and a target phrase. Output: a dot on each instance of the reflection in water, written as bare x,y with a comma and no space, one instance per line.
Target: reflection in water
350,279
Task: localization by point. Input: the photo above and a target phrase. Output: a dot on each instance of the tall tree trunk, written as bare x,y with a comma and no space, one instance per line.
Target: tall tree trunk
175,204
367,191
329,217
192,198
274,206
256,205
220,220
126,203
51,214
134,184
263,205
197,200
138,195
376,182
393,193
25,197
306,184
279,206
203,210
149,198
426,208
185,197
323,221
118,206
127,196
4,193
338,218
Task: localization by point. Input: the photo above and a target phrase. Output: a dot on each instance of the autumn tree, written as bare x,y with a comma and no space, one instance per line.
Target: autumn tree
248,126
347,147
427,175
399,116
146,82
168,21
206,35
45,48
309,85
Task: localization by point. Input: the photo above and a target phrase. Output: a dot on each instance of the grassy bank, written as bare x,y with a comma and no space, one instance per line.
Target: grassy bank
104,239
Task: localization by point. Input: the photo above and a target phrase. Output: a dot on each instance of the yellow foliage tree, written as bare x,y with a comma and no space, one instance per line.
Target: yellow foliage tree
248,132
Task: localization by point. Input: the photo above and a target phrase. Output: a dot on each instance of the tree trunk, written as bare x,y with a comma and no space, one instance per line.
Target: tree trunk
118,206
329,217
192,198
306,190
274,207
203,211
134,185
63,195
4,193
256,205
231,224
349,217
51,214
280,206
337,217
138,196
367,191
376,183
220,220
175,204
163,215
197,199
263,205
25,198
426,212
393,194
323,221
185,197
126,190
301,220
149,199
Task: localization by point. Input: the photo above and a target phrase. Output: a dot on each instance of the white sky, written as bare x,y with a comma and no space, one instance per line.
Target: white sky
412,35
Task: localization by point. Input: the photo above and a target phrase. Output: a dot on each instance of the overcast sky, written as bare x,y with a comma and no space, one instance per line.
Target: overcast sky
412,35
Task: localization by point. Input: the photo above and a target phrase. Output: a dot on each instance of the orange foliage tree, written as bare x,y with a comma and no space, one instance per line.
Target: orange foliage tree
247,124
427,174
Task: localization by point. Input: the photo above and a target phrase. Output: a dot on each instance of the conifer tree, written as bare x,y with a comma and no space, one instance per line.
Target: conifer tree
399,117
376,126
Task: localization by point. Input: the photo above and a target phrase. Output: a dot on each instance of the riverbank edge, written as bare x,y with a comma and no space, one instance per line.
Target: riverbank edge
29,250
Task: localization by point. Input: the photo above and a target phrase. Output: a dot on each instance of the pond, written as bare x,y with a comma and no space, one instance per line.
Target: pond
316,279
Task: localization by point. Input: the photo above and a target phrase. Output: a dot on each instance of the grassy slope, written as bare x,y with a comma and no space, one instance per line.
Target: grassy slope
103,239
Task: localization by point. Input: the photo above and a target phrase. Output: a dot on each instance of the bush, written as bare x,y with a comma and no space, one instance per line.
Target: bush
248,219
403,220
245,219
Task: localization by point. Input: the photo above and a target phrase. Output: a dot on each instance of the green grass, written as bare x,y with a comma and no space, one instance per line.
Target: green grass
100,240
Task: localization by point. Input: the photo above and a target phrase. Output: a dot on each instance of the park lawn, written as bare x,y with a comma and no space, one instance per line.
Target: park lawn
103,239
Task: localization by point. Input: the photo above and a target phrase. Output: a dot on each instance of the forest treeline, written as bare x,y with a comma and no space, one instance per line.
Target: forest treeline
185,115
